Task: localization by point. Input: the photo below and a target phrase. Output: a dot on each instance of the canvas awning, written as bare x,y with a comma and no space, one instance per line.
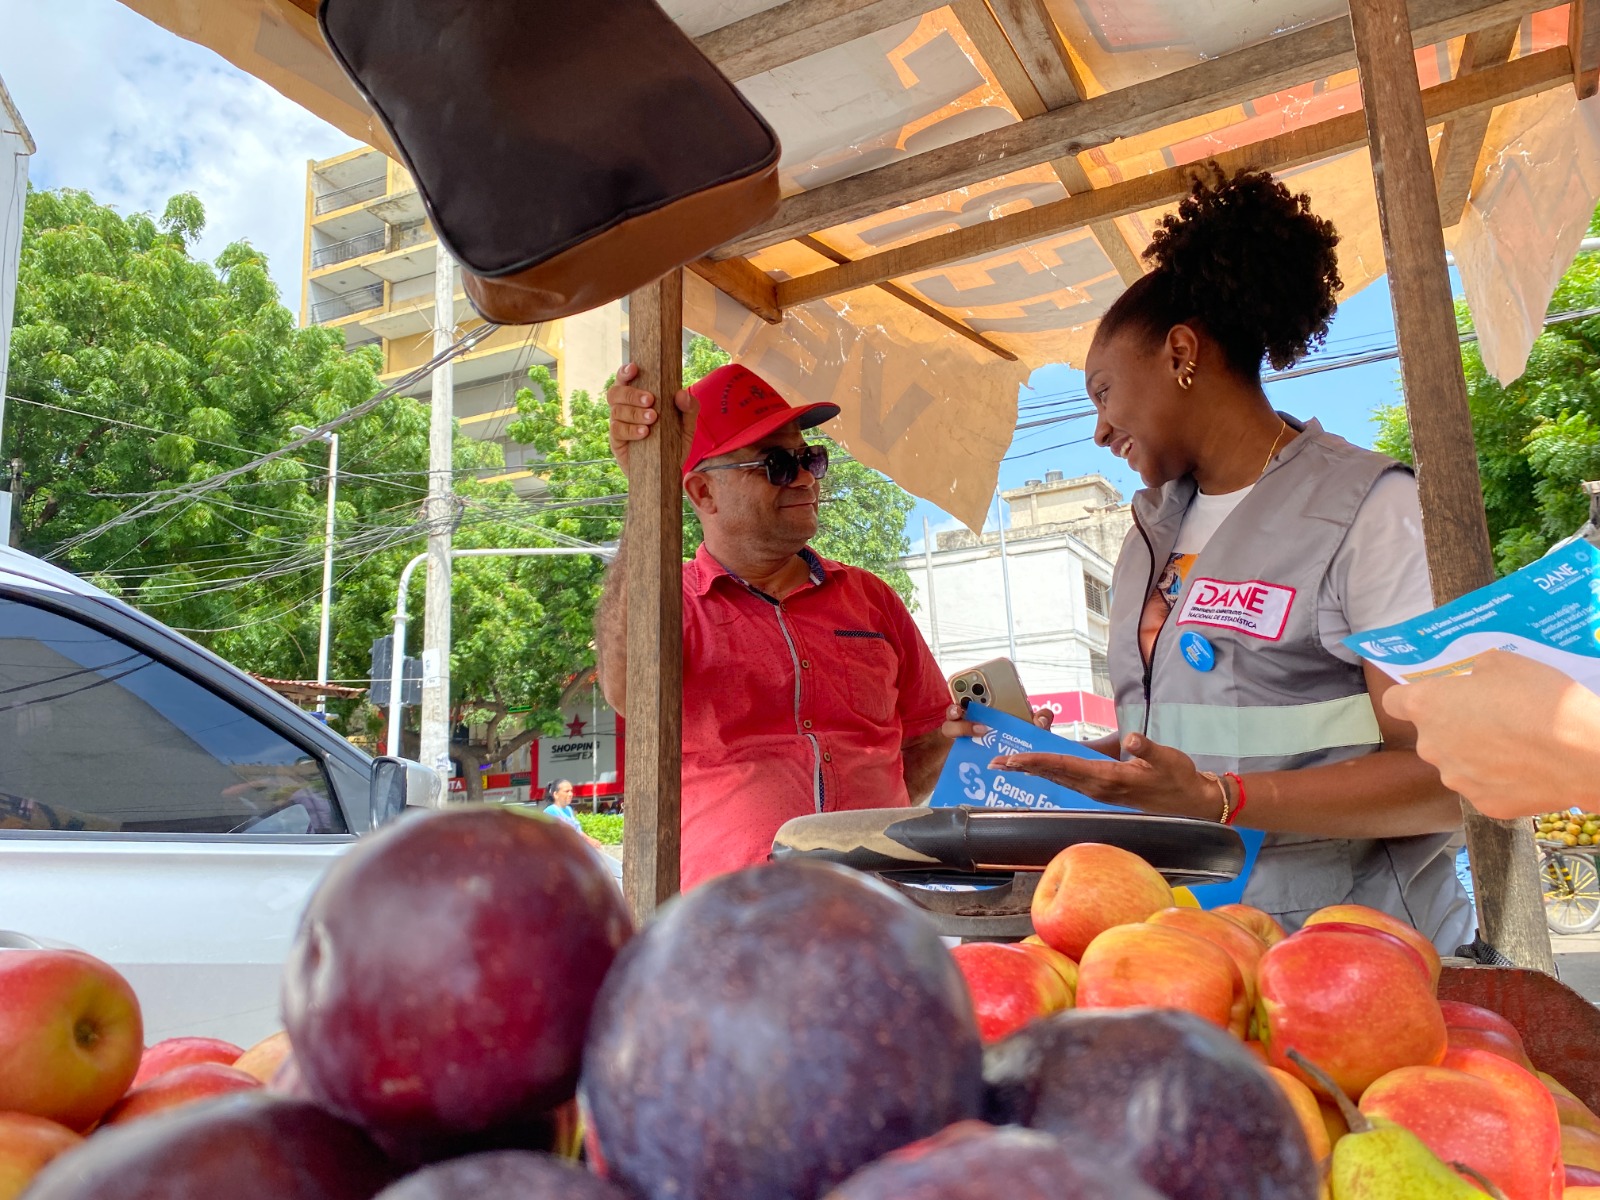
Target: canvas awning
997,166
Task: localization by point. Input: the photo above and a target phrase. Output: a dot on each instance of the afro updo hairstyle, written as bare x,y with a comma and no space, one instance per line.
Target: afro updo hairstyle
1244,261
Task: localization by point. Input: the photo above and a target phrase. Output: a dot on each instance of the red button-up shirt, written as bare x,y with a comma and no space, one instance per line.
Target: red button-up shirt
794,707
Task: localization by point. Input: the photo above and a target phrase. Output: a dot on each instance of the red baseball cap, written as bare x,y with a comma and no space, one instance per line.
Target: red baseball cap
738,407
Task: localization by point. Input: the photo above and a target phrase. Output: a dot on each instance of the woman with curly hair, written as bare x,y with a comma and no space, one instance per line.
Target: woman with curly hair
1260,542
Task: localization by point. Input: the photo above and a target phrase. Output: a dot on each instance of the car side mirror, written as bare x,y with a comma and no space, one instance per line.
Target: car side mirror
399,784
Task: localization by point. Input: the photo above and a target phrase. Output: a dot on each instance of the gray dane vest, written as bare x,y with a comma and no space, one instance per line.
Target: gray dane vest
1275,699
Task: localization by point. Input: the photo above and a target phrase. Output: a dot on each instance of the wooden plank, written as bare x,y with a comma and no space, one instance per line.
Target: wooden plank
801,28
997,37
1281,62
1461,144
745,282
1478,92
650,835
1583,39
309,7
916,302
1504,863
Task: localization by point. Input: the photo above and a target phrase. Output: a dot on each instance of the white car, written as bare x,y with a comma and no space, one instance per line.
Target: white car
161,809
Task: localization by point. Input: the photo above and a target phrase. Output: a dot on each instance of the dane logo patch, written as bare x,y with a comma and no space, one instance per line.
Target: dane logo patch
1254,608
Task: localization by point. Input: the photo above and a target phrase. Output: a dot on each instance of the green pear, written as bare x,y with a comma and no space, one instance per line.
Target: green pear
1379,1160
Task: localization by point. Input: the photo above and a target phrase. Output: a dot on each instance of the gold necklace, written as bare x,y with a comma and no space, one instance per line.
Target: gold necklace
1283,428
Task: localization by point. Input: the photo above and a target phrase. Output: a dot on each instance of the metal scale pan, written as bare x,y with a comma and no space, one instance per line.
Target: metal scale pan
974,870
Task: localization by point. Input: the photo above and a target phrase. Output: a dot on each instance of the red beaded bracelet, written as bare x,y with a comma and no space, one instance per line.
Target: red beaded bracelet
1239,805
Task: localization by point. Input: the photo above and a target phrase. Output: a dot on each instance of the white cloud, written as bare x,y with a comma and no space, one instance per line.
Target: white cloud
133,114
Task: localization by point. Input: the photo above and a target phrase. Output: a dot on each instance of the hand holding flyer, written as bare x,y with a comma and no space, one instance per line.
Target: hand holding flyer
1548,611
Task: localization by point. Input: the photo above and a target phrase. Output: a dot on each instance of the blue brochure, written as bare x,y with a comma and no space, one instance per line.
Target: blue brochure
967,779
1549,611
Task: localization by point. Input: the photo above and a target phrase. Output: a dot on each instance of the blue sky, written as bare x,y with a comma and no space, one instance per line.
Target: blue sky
133,114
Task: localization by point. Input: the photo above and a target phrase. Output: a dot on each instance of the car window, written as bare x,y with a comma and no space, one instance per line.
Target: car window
96,735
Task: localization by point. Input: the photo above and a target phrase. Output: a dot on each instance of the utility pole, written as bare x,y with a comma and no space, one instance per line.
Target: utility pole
1005,578
435,731
933,608
327,562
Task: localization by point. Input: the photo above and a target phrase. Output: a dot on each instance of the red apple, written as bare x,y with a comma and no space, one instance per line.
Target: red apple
1058,962
1411,951
1574,1112
1360,914
180,1052
26,1144
1089,888
1244,947
1354,1004
1579,1148
70,1035
1491,1040
181,1085
1262,924
1131,966
1009,986
1496,1119
264,1058
1458,1014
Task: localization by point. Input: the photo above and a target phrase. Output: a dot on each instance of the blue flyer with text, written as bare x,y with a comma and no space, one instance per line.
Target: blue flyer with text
1549,611
967,779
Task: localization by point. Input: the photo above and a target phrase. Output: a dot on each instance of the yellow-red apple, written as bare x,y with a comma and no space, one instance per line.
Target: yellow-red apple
1490,1040
1157,966
26,1144
1058,962
1580,1148
1411,951
1354,1004
1009,986
1304,1102
264,1058
1360,914
181,1052
1332,1120
1091,887
1262,924
70,1035
181,1085
1244,947
1500,1125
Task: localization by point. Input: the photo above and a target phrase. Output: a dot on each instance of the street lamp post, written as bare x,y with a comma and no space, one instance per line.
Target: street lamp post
327,562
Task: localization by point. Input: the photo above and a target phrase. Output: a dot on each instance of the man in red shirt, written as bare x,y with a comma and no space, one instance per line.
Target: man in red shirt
806,686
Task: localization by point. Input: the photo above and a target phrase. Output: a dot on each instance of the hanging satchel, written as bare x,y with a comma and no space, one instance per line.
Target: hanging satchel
567,151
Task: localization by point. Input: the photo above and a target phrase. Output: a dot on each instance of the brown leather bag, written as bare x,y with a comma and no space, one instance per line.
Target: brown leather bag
567,151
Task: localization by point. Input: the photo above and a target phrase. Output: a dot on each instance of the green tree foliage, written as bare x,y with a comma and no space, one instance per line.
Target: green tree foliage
1539,438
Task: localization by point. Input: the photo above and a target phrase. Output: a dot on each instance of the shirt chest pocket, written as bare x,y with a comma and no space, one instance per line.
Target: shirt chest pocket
870,669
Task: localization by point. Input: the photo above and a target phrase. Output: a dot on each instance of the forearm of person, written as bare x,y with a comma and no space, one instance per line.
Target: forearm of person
611,629
1390,793
922,758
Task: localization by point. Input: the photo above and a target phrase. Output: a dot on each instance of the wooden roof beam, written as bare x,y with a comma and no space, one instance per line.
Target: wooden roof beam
916,302
800,28
742,280
1281,62
1478,92
1583,39
1456,162
1020,42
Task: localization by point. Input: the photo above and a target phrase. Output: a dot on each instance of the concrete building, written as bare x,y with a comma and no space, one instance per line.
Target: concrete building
369,270
16,145
1062,541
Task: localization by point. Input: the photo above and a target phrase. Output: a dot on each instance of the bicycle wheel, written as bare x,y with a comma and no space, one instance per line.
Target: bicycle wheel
1571,886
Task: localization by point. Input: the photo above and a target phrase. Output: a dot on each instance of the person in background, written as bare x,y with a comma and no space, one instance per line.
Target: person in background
1260,542
559,796
806,685
1515,737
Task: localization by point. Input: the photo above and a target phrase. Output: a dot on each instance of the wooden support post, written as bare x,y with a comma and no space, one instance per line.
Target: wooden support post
1583,39
1461,144
1510,908
655,606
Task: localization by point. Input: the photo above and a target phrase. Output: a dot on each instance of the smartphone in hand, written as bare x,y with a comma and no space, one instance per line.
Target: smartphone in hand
996,684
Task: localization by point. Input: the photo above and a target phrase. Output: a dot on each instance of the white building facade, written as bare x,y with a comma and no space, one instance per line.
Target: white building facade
16,145
1062,537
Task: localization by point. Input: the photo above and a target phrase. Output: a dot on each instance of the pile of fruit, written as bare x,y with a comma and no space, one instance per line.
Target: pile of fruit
469,1014
1568,828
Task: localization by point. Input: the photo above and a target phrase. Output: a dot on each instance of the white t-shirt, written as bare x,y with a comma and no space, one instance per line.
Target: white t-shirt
1378,577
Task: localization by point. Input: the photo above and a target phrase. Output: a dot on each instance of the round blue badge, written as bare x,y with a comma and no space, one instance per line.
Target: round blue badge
1197,652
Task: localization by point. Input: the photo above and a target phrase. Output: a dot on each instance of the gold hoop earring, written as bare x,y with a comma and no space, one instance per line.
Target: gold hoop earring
1186,375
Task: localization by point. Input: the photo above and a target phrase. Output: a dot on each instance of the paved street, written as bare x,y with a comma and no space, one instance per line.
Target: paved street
1578,962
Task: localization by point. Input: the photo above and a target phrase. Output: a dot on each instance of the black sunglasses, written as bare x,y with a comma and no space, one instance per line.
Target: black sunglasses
782,465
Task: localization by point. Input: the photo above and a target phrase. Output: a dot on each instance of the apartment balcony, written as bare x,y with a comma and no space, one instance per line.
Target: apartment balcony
347,304
398,208
350,195
343,251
